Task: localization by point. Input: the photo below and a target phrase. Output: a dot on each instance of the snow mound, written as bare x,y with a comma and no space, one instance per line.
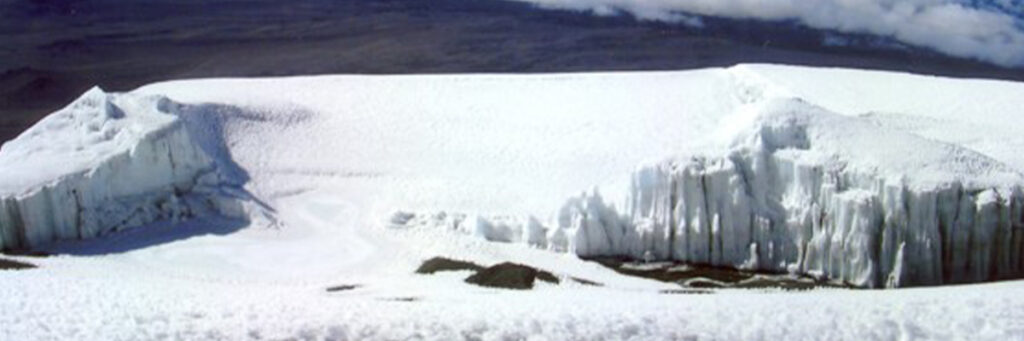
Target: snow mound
104,163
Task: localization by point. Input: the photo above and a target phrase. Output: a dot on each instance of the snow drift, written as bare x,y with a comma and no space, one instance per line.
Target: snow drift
802,190
105,163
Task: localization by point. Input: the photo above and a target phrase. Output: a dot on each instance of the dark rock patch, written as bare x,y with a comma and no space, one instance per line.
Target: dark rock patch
510,276
505,275
401,299
777,283
27,253
717,274
445,264
344,287
686,292
703,283
586,282
547,277
8,264
708,277
669,272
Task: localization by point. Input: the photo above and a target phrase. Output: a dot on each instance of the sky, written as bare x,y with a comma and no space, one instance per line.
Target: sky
990,31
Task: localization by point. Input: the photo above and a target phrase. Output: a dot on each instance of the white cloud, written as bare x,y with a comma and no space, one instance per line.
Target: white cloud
948,26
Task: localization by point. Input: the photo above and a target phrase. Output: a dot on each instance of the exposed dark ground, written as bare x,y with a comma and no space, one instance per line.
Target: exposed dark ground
436,264
504,275
692,279
692,276
343,287
510,276
10,264
53,50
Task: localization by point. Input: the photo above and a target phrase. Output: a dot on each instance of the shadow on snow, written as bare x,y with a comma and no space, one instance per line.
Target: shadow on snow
163,232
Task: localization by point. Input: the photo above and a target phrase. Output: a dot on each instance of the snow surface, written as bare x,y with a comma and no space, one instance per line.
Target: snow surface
333,161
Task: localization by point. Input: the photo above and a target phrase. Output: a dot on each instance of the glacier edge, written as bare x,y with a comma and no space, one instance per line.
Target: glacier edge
127,161
791,196
794,194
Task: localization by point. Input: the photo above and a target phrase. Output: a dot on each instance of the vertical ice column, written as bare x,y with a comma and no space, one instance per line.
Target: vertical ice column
783,214
141,165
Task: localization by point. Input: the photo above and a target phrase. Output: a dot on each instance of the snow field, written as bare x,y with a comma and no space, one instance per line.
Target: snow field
810,169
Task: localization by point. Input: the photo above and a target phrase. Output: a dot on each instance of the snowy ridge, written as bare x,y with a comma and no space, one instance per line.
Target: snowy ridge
105,163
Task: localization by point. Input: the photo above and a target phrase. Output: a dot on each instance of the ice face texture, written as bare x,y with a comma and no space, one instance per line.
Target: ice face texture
104,163
807,191
802,190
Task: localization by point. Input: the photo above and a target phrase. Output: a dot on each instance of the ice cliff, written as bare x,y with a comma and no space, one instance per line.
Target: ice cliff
804,190
794,188
108,162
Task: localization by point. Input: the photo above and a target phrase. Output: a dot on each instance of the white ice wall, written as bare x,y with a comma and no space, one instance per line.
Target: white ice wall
852,228
778,201
805,191
105,163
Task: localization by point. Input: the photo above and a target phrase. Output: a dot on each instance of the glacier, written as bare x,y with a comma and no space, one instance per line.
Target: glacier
798,189
108,162
775,182
848,175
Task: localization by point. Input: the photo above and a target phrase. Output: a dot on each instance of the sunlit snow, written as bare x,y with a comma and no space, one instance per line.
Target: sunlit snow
239,201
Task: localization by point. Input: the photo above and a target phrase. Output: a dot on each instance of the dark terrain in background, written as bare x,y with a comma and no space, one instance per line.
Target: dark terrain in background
53,50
